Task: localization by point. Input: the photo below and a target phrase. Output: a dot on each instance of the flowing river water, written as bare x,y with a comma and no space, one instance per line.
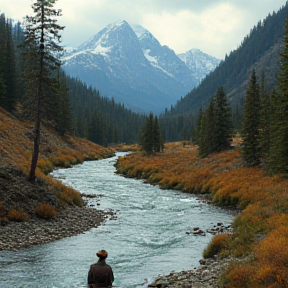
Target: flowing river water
148,237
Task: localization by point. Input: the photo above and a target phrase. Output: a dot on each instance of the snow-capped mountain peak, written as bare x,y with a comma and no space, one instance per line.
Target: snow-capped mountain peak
128,63
199,62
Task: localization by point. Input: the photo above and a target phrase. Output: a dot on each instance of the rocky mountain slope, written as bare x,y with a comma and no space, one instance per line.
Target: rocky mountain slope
200,63
127,63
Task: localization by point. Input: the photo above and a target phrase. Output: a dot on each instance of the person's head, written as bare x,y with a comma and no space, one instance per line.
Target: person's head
102,254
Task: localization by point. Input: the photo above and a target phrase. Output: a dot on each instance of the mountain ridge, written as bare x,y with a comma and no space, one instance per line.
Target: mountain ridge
259,50
127,63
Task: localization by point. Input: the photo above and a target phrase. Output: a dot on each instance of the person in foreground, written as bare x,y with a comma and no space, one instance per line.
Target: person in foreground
100,273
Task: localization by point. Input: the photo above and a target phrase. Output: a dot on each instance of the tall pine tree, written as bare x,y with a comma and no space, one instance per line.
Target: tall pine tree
223,121
151,139
265,115
41,50
215,125
251,122
278,152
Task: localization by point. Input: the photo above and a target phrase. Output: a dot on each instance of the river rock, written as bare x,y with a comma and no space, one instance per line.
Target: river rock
205,276
68,222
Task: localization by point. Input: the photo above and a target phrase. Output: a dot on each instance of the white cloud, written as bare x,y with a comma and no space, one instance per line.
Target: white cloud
209,30
214,26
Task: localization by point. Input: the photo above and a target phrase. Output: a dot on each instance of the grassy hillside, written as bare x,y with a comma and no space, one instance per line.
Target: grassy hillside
16,139
21,200
260,238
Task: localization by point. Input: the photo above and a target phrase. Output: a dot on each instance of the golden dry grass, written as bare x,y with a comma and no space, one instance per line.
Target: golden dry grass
16,138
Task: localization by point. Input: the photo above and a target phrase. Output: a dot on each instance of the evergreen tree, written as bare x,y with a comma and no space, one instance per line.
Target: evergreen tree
278,152
197,135
147,135
156,136
214,125
223,121
40,50
210,125
265,115
201,140
251,122
151,139
8,85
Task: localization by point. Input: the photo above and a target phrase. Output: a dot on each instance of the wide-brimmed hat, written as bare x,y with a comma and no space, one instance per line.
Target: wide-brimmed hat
102,254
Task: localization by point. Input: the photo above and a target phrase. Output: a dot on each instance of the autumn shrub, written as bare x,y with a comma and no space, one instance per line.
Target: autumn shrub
218,244
239,275
154,178
272,253
17,215
72,196
45,165
45,211
64,193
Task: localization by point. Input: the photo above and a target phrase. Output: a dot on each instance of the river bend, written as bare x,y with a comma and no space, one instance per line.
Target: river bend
148,237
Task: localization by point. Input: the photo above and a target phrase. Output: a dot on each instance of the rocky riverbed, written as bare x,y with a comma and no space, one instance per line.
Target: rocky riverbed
70,221
207,275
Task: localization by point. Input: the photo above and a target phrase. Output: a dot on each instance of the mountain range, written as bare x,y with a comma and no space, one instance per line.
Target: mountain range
127,63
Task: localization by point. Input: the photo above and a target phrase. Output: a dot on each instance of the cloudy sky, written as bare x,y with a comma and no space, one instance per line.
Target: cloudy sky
214,26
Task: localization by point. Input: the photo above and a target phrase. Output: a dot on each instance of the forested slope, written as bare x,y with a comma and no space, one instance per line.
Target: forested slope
259,50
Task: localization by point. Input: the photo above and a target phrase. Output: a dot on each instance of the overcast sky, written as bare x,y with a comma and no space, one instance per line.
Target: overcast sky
214,26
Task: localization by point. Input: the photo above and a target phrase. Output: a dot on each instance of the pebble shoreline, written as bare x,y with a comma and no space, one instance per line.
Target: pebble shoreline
205,276
68,222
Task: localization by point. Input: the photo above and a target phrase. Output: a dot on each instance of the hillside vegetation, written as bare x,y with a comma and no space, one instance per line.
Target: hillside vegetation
17,142
16,194
260,238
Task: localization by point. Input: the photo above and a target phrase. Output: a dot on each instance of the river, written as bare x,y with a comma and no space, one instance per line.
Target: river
147,239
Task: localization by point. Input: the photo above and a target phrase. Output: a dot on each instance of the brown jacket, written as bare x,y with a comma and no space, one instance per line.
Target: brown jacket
101,274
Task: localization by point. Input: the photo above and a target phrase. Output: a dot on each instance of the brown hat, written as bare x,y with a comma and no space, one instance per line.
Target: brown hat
102,254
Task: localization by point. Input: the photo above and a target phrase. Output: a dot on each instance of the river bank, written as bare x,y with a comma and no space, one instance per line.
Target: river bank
18,194
207,275
68,222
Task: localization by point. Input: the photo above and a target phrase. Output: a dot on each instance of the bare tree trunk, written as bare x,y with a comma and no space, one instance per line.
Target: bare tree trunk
35,153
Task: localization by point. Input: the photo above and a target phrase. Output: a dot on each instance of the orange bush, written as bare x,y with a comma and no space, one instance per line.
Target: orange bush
272,253
45,211
240,275
17,215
